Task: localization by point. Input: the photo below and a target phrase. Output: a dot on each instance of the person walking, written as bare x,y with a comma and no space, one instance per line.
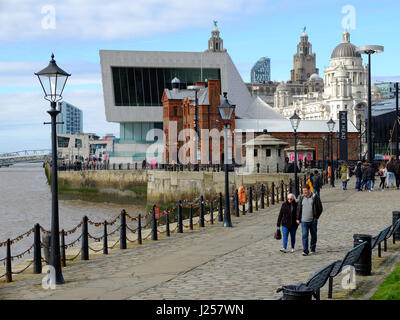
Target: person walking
370,173
382,173
287,219
390,172
364,180
316,181
309,209
310,183
358,174
397,173
344,175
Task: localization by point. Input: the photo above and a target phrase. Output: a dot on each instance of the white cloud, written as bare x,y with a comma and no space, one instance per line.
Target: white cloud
22,116
104,19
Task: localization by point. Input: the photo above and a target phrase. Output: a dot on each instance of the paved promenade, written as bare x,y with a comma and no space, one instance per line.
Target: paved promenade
243,262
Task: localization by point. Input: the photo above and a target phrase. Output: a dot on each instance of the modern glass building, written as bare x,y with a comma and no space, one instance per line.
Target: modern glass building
72,118
387,89
261,71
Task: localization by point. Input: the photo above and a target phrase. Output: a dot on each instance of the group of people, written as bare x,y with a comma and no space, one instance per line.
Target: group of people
389,174
305,212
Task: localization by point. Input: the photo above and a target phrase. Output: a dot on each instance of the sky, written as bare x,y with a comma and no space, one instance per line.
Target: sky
75,31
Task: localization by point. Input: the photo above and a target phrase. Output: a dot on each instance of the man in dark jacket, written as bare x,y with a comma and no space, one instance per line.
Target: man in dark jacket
397,172
370,173
309,209
287,219
358,174
316,182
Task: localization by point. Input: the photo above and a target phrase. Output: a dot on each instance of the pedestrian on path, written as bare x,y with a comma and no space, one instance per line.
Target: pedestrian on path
382,173
397,173
344,175
310,183
370,177
390,172
316,181
287,219
358,174
309,209
364,181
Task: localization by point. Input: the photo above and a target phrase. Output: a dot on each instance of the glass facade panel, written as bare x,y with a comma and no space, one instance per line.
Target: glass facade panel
62,142
145,86
137,131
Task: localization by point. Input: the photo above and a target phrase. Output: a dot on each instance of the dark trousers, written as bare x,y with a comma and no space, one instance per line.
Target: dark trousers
309,227
397,176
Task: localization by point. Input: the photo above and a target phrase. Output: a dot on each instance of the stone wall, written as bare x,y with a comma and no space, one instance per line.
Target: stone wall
168,186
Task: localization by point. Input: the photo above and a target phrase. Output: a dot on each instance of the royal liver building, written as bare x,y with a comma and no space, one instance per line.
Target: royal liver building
344,87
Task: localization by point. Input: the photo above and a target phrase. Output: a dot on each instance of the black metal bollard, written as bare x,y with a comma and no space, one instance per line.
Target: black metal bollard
122,232
220,217
85,240
105,240
258,168
128,166
8,262
256,196
277,167
282,191
191,217
396,216
286,191
237,214
290,186
267,196
37,251
211,212
135,165
363,264
201,216
154,224
277,194
63,259
251,200
262,204
139,233
167,231
272,193
180,223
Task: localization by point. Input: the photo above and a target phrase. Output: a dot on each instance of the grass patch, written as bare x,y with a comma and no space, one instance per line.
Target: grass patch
390,288
139,190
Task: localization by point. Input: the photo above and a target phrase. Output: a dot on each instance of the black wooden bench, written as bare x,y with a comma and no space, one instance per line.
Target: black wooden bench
395,227
350,258
379,238
317,280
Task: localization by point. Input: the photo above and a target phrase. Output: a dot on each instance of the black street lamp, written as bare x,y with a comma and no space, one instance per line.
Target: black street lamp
369,49
226,110
295,121
323,151
53,80
331,127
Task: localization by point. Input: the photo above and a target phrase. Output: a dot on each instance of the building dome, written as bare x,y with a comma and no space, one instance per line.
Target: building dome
315,77
346,49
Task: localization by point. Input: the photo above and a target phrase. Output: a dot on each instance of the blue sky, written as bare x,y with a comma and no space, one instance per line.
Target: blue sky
250,29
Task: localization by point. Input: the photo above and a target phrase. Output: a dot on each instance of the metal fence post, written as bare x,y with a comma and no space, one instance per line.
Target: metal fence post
256,196
85,240
272,193
191,217
251,200
153,224
63,259
277,194
139,234
122,233
105,240
237,203
220,218
8,262
180,223
211,212
201,217
262,204
37,250
282,190
290,186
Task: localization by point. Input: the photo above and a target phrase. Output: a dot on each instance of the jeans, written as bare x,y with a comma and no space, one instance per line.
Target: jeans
344,184
317,191
363,184
358,183
371,184
312,228
286,231
390,178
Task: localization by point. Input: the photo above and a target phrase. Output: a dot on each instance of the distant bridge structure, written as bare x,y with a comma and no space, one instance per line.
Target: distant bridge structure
10,158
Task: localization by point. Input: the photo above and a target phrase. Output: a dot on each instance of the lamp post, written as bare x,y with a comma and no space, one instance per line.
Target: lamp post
331,127
369,49
295,121
323,151
337,149
196,125
53,80
226,110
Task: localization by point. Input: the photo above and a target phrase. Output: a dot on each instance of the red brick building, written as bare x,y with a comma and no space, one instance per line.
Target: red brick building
179,110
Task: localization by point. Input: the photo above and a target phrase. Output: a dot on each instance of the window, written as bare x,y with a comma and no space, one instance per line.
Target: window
78,143
255,152
62,142
145,86
268,152
279,152
175,111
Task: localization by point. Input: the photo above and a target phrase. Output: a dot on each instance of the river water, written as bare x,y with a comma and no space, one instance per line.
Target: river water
25,199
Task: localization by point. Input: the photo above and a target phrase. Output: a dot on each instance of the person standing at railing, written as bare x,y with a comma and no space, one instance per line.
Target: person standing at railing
287,219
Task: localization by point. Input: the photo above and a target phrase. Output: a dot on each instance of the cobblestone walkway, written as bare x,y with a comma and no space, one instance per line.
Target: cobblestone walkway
243,262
